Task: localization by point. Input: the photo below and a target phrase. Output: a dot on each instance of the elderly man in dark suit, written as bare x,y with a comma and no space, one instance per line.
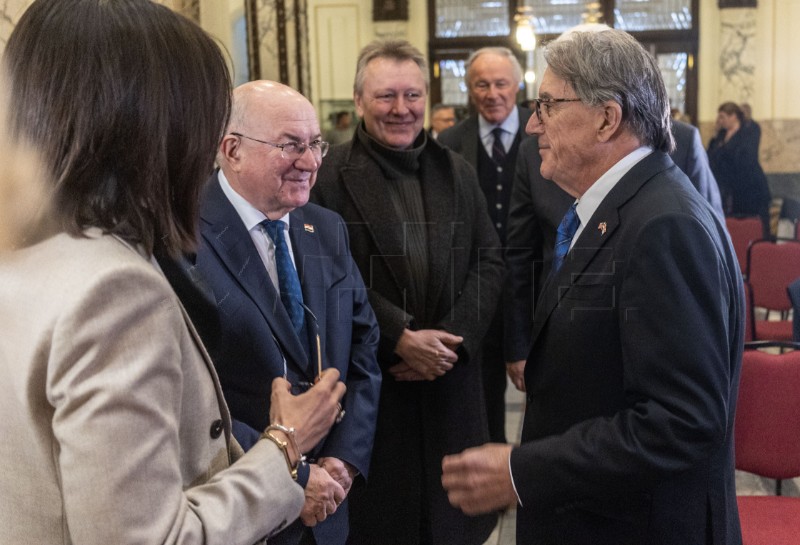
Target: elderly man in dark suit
536,208
490,140
289,299
423,240
633,372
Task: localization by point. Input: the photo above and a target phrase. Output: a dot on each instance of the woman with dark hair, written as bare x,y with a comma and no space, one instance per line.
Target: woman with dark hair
733,157
114,423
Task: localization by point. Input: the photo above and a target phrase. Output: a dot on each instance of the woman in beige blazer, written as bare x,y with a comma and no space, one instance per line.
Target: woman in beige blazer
114,427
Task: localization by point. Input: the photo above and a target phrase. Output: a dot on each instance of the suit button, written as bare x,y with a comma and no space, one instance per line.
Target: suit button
216,429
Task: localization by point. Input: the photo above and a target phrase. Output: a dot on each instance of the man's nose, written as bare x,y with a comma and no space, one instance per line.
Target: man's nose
534,126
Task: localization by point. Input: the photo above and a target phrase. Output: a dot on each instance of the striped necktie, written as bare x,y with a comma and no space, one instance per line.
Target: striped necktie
288,282
498,150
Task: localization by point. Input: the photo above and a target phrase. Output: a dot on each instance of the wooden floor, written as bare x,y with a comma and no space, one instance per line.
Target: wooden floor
505,532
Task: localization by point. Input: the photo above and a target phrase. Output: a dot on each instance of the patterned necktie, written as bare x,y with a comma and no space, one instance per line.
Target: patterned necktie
498,151
566,230
289,283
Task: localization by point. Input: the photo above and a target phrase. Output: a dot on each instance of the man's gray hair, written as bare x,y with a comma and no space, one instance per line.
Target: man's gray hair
500,52
397,50
612,65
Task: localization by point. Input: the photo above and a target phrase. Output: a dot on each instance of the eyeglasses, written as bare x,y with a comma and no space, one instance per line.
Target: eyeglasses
294,150
547,103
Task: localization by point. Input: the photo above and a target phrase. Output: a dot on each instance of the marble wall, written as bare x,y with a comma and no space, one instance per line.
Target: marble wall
754,65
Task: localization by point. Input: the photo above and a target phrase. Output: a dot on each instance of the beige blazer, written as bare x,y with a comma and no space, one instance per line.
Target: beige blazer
114,430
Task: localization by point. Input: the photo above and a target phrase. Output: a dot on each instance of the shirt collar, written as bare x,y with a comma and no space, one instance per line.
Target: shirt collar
590,201
250,215
510,125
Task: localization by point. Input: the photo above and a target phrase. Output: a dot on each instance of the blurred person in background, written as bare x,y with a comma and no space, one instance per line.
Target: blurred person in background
733,156
443,117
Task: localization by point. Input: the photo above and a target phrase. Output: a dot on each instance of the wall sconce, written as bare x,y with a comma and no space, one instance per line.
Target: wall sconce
526,37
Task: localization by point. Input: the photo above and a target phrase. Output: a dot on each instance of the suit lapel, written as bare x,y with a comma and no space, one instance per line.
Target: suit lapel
223,231
309,259
596,235
201,348
378,214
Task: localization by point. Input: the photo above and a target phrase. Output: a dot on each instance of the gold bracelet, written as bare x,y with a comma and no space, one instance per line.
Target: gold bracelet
282,445
290,434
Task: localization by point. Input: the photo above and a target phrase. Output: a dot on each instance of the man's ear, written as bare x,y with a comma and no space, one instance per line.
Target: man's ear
358,100
230,151
609,121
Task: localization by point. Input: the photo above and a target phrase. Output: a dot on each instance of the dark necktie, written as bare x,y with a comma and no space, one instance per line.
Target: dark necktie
288,282
566,230
498,150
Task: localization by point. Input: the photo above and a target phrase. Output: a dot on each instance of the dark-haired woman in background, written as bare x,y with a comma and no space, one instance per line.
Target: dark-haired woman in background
733,157
114,427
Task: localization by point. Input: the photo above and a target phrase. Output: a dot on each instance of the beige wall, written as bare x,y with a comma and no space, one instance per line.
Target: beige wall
340,28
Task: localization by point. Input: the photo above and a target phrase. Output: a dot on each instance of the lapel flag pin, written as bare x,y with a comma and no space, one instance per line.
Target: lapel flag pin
602,228
308,227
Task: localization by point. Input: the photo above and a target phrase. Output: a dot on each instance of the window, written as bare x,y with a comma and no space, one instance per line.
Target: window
667,28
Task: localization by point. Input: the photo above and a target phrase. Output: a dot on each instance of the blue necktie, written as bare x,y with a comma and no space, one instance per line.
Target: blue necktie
498,150
566,230
289,283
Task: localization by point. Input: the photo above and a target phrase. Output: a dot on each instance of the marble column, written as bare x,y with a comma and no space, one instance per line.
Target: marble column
278,41
737,59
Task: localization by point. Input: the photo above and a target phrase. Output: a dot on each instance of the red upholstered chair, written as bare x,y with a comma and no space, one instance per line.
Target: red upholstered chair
767,443
772,266
743,232
749,326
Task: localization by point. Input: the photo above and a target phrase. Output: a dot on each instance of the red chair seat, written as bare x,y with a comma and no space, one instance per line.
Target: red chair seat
769,520
774,330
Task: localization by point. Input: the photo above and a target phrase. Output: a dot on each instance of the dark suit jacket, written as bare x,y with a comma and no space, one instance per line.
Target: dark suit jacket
692,159
419,422
632,376
463,137
257,333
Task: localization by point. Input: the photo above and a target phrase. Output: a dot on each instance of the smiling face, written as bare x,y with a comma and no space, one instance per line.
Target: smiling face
266,177
493,86
567,136
392,101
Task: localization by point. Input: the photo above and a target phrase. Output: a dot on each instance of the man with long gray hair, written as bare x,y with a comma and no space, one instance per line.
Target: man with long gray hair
633,372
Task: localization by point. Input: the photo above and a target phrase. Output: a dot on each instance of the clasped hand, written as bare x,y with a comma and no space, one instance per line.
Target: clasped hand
425,354
329,483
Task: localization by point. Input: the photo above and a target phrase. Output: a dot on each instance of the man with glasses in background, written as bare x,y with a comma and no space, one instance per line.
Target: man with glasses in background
489,140
633,372
289,300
